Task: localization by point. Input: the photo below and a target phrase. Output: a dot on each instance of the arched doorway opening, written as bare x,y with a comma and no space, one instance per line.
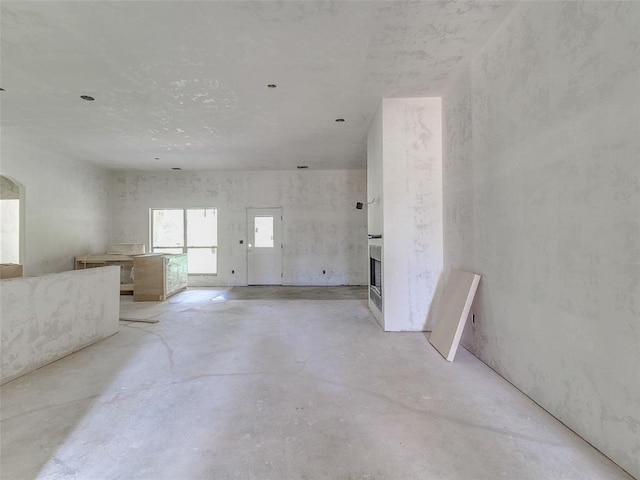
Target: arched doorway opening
11,221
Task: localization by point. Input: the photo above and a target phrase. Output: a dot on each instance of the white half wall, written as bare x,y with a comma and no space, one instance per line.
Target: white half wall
48,317
322,230
66,209
542,198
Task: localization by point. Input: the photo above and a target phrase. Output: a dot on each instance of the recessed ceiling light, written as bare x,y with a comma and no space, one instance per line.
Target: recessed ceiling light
87,98
302,167
272,85
176,168
339,120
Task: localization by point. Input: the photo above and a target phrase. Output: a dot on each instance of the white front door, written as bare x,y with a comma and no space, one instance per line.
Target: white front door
264,246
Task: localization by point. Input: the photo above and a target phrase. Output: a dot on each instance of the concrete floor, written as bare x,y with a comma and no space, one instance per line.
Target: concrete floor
266,388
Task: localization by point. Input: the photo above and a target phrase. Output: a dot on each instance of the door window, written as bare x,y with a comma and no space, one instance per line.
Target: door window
264,232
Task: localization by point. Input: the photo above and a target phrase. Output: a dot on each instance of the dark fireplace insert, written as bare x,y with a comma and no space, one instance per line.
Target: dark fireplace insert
375,275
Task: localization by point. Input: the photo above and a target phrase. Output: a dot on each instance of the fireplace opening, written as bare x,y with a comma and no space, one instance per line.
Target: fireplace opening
375,275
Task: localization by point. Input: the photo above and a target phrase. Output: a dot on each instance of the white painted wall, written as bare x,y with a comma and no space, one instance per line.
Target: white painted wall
322,230
375,194
542,198
374,174
412,211
66,206
48,317
405,160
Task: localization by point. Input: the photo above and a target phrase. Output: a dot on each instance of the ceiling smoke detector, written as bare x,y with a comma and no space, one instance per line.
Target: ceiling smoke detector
88,98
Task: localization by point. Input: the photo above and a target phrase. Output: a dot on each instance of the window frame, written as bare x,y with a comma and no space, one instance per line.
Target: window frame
185,247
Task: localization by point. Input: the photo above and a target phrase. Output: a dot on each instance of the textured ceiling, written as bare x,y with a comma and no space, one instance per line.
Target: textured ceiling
187,81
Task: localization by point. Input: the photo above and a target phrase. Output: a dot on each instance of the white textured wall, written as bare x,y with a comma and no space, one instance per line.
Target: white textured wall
66,206
374,174
542,198
405,161
48,317
412,211
322,230
375,194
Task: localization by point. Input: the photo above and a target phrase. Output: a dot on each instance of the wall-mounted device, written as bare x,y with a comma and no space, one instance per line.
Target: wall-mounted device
359,205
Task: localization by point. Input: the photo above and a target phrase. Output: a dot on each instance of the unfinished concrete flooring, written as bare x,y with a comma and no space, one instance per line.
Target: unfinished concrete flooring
278,389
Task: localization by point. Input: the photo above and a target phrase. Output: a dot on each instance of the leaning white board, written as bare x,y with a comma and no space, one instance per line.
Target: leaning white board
453,312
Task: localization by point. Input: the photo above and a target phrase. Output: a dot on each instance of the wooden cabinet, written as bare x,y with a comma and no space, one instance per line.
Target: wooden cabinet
125,262
147,277
158,276
10,270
